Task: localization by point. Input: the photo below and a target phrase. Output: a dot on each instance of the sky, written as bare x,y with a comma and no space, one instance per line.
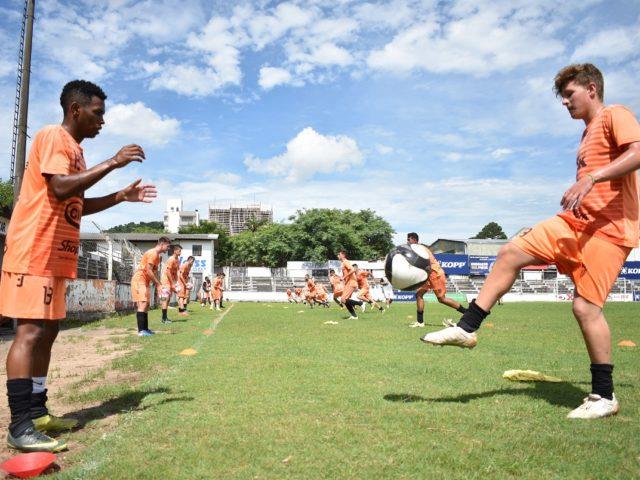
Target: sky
438,115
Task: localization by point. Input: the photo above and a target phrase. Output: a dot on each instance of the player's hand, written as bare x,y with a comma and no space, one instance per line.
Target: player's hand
139,193
573,197
128,154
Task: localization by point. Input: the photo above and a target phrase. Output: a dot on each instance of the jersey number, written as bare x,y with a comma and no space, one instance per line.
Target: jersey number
20,280
48,295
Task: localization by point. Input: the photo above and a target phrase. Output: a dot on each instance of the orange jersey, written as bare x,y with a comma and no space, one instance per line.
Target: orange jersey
435,265
311,286
298,291
348,275
170,274
361,277
149,258
611,207
320,290
44,233
289,293
336,283
217,284
185,270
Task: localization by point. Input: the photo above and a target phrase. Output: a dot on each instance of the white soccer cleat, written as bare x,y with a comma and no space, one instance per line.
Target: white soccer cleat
416,325
454,336
352,318
447,322
594,406
363,307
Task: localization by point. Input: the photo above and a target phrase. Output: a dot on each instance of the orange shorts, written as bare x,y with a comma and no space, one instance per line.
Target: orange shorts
592,263
183,289
365,294
348,292
217,294
321,297
33,297
140,290
436,282
337,293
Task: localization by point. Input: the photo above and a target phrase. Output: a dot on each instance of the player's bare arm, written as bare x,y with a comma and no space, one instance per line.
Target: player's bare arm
626,162
67,186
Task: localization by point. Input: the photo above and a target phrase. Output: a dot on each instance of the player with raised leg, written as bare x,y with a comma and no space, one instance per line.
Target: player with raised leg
337,287
437,282
141,284
364,290
350,285
42,247
589,240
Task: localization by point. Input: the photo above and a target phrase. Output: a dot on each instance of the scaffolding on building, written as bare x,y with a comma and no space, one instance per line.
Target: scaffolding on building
238,219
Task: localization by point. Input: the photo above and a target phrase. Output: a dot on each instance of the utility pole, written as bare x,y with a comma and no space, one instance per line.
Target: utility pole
22,102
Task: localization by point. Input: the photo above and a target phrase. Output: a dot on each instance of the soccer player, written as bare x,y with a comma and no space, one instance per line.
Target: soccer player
350,285
183,282
298,292
217,290
169,279
310,291
141,284
437,282
206,293
387,290
337,287
589,240
321,295
290,296
41,252
364,290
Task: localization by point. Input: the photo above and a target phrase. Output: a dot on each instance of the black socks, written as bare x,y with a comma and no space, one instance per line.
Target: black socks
420,316
461,309
38,406
19,392
472,318
164,314
602,380
143,321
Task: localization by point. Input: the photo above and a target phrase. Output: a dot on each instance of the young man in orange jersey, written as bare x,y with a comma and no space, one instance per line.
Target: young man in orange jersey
41,252
298,293
183,282
437,282
290,298
141,284
310,291
364,290
589,240
337,287
217,290
321,295
350,285
169,279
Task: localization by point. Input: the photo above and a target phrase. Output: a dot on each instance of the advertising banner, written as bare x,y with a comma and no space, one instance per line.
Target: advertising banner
630,271
453,264
400,296
481,265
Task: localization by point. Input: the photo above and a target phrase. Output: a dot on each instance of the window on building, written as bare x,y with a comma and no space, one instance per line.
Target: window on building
197,251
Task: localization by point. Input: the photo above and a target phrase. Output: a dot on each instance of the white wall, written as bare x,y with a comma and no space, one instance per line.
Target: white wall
203,263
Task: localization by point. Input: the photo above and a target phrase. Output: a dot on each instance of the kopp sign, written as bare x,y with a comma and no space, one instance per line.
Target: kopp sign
453,264
630,271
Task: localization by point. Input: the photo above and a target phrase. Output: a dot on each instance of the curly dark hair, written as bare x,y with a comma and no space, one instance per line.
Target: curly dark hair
80,91
581,73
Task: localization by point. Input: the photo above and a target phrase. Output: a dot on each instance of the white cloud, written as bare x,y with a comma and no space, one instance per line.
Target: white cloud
140,124
499,153
187,80
481,41
271,77
309,153
267,28
616,45
384,149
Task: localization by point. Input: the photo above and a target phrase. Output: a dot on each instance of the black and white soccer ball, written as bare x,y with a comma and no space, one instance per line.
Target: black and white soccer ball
408,266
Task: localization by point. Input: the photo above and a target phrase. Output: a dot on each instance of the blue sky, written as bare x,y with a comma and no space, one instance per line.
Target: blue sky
438,115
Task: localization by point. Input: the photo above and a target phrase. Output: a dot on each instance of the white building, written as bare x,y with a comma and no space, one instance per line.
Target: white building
175,217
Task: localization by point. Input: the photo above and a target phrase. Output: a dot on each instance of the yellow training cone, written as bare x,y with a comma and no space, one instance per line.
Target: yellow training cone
626,343
528,376
188,352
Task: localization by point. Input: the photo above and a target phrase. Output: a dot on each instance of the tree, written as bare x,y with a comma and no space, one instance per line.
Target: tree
224,244
492,231
6,193
140,227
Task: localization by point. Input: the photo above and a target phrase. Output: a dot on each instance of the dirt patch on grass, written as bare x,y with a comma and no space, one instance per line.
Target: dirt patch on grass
77,355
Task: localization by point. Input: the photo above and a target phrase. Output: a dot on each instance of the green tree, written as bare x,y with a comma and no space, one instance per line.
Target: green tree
6,193
253,224
224,242
139,227
491,231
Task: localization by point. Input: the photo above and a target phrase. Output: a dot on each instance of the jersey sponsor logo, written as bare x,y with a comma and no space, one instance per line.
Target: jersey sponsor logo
73,214
69,246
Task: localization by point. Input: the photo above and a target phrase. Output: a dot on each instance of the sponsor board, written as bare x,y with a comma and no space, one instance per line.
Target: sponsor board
481,265
401,296
630,271
453,264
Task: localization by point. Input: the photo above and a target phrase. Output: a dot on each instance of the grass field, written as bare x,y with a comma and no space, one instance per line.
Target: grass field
273,393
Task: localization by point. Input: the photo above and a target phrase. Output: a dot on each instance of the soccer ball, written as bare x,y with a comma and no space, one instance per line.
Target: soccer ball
189,286
407,266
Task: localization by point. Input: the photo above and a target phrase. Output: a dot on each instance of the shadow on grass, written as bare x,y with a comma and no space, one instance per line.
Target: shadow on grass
563,394
123,403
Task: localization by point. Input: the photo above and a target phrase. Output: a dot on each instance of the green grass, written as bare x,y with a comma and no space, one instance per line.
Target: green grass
277,394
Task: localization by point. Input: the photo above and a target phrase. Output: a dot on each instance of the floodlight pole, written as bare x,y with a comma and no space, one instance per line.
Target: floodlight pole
21,147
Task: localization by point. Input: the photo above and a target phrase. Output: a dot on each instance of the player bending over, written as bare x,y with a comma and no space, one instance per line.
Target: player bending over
290,296
183,283
364,293
321,295
141,284
337,287
350,285
41,252
169,280
437,282
589,240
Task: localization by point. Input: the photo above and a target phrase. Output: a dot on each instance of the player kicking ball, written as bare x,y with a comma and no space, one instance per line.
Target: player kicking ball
350,285
589,240
141,284
42,252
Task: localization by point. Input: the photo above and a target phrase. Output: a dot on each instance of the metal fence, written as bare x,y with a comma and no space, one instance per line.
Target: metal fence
108,259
